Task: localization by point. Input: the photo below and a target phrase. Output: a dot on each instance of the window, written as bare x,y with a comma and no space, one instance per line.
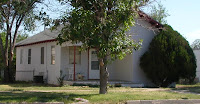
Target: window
42,55
29,56
21,56
77,57
94,61
53,55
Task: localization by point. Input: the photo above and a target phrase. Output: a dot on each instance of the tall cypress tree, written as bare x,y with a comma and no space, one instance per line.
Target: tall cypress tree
169,58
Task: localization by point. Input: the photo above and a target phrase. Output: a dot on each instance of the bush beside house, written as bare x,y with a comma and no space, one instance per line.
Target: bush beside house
169,59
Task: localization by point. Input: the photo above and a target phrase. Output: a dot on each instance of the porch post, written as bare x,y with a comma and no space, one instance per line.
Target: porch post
74,62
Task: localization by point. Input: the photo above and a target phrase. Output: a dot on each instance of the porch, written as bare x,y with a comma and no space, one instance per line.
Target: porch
97,82
82,67
78,65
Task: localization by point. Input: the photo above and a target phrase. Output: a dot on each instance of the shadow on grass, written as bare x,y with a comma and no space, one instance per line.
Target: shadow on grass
21,96
89,85
27,84
31,84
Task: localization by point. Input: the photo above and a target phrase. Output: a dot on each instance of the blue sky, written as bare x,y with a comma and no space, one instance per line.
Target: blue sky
184,17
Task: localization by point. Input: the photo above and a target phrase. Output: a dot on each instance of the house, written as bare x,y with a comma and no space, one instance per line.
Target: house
196,49
40,56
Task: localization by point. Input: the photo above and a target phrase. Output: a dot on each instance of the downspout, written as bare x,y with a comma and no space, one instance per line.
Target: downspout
74,62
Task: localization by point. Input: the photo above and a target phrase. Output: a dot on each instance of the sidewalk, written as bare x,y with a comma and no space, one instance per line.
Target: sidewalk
191,101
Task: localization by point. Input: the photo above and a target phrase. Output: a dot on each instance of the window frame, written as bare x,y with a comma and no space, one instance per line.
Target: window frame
29,56
53,55
42,55
21,56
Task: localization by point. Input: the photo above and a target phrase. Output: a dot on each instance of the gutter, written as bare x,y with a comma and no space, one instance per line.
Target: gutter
44,41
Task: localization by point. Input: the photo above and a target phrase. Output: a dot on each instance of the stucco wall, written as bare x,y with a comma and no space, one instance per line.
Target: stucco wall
128,69
49,72
197,54
144,32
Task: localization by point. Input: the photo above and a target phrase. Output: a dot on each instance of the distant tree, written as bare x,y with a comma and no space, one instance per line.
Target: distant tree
21,37
159,13
196,44
169,58
13,14
102,24
13,66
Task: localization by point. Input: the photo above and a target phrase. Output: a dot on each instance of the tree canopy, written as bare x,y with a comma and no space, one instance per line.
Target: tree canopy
169,58
13,14
19,38
158,12
102,24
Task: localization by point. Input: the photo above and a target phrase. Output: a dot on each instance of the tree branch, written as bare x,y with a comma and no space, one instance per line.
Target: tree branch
15,34
13,19
6,48
3,13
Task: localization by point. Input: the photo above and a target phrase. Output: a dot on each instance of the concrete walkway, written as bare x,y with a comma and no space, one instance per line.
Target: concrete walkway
184,91
192,101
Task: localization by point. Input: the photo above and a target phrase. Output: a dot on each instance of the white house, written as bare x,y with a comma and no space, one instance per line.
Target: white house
196,50
40,55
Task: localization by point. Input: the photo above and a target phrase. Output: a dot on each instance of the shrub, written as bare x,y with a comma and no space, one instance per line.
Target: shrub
169,58
61,79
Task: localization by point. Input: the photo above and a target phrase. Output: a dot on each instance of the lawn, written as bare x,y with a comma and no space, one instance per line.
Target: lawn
27,92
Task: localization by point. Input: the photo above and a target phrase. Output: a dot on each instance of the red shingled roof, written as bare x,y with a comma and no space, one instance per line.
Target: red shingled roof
150,20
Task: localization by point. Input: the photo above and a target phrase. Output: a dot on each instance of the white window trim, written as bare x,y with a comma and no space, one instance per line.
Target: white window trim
21,56
53,56
29,56
42,57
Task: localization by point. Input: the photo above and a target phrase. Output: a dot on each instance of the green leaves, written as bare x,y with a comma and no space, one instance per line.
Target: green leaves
101,24
159,13
13,14
169,58
19,12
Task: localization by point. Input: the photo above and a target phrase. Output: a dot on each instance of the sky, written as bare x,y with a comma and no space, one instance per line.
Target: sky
184,17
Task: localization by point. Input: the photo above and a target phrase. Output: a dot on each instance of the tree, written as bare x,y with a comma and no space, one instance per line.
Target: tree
14,13
102,24
20,37
3,35
196,44
169,58
159,13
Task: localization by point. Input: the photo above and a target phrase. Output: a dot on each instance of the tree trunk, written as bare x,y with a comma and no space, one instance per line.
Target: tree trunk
6,63
10,71
6,74
103,76
11,74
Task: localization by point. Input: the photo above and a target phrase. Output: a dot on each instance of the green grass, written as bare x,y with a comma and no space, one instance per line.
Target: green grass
42,93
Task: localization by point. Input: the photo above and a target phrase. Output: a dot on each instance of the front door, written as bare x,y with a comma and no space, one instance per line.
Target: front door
93,65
